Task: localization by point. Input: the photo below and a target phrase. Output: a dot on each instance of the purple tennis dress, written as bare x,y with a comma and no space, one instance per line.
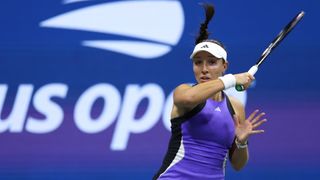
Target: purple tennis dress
199,143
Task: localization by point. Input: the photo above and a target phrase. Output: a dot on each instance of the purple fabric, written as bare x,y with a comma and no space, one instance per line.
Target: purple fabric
207,137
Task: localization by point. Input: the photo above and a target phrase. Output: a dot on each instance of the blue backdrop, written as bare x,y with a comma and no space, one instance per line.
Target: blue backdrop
85,85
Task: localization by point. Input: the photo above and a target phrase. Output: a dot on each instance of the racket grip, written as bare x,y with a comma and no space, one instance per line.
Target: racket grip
251,71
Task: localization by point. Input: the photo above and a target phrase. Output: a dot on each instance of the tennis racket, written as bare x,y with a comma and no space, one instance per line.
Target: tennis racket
285,31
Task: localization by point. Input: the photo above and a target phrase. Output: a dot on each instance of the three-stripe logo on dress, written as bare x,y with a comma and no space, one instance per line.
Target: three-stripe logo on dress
217,109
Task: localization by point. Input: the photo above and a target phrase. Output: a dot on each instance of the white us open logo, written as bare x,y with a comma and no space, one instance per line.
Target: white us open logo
155,25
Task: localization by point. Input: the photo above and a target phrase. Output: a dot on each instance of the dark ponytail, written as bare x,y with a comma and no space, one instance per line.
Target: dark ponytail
204,34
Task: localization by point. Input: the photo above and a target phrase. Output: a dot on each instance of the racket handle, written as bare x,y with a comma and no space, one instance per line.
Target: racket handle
251,71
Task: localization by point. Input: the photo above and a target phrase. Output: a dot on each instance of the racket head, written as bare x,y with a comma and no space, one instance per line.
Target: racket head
283,33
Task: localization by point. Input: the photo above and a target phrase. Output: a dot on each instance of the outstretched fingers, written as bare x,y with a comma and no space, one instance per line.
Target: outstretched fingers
256,132
252,115
254,126
257,118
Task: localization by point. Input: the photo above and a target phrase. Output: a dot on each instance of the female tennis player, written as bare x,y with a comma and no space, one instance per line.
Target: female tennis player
208,126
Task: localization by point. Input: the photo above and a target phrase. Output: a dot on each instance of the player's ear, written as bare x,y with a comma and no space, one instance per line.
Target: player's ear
225,66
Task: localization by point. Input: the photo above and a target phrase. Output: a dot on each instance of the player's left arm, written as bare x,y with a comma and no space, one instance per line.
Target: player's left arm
239,153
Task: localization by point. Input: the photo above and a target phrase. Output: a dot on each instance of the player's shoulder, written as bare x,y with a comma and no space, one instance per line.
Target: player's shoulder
183,86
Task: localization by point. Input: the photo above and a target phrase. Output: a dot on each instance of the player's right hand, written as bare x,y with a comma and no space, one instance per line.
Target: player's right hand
244,79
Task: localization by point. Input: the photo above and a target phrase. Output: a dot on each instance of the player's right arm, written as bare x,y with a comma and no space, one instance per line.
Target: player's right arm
187,97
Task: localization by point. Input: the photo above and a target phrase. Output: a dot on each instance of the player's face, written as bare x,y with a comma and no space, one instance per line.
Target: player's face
207,67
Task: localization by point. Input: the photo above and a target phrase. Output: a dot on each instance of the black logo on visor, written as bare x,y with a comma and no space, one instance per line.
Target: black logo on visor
205,46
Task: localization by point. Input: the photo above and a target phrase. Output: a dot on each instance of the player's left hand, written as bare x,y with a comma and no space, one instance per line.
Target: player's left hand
247,127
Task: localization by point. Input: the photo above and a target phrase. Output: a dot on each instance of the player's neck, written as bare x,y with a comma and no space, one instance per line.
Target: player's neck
218,96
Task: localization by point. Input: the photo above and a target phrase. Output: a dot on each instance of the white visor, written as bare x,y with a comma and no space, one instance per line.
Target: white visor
211,48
